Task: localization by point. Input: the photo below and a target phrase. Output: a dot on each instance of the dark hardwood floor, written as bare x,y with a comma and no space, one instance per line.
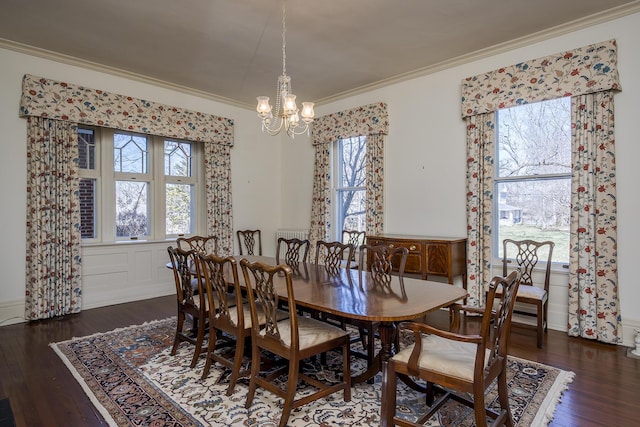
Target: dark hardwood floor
42,392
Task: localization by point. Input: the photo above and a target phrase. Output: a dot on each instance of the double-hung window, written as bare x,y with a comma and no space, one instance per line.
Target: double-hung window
135,186
350,160
532,195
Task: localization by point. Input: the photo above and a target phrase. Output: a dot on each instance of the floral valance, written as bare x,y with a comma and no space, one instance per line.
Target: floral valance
63,101
579,71
371,119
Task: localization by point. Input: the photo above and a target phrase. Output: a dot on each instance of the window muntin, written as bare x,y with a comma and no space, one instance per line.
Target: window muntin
532,195
89,171
151,186
350,185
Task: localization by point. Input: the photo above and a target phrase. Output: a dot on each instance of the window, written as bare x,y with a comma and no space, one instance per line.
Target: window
533,175
145,187
350,160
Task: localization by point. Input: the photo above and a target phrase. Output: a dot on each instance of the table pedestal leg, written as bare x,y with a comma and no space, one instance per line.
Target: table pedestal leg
387,332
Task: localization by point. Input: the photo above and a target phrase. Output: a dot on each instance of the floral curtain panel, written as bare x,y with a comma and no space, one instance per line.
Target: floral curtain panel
218,195
53,266
66,105
587,71
370,120
594,311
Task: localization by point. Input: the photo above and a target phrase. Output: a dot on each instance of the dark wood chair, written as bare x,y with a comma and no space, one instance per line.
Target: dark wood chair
526,254
453,362
228,314
294,251
293,339
192,301
379,260
201,244
334,255
249,241
356,238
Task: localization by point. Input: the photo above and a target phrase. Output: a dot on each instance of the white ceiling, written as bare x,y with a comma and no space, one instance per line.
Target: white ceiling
231,49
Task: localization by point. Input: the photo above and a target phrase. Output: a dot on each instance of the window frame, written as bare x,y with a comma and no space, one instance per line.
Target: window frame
337,155
157,181
497,243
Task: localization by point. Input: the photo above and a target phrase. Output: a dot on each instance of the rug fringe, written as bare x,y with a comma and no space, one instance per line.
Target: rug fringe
548,407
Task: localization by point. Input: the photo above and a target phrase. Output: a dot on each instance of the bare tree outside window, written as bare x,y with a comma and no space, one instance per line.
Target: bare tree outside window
533,174
179,193
350,186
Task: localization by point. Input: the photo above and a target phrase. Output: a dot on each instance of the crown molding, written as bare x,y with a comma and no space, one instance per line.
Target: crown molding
579,24
71,60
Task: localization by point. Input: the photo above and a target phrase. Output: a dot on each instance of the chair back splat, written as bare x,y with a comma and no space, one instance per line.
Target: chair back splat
294,338
201,244
334,255
249,241
295,251
527,254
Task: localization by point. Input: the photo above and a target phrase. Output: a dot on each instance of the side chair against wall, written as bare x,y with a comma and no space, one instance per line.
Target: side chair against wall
378,260
295,251
356,238
294,339
249,241
228,314
201,244
453,362
192,304
526,254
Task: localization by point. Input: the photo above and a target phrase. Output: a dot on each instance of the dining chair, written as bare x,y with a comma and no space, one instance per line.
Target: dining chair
379,261
247,241
526,254
201,244
449,362
229,316
356,238
294,251
334,255
192,304
293,339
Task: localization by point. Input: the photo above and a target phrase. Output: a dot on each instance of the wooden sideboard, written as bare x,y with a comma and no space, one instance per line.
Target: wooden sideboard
437,256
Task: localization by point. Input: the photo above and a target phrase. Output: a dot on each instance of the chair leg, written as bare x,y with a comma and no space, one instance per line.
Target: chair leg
388,405
210,348
255,371
503,396
199,341
479,407
540,325
237,364
176,341
290,394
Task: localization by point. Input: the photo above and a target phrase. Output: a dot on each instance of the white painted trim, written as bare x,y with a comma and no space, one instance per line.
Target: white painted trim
11,312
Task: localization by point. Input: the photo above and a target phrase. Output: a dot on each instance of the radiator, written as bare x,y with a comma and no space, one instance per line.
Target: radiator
291,234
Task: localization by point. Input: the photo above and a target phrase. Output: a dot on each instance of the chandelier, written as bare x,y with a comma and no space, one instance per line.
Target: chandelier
286,116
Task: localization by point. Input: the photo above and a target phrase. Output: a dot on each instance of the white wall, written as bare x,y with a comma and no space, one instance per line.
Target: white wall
109,271
425,155
272,177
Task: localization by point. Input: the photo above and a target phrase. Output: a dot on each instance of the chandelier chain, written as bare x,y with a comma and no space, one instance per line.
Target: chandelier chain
284,40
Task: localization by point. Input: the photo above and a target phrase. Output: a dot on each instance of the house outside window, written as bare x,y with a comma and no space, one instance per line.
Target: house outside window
350,159
533,175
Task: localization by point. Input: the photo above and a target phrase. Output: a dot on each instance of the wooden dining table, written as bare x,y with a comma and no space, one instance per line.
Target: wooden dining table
353,294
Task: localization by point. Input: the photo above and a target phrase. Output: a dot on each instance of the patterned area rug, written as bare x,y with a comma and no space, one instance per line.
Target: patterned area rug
131,378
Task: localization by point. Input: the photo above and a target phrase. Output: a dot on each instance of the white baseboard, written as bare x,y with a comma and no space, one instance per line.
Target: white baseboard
11,312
